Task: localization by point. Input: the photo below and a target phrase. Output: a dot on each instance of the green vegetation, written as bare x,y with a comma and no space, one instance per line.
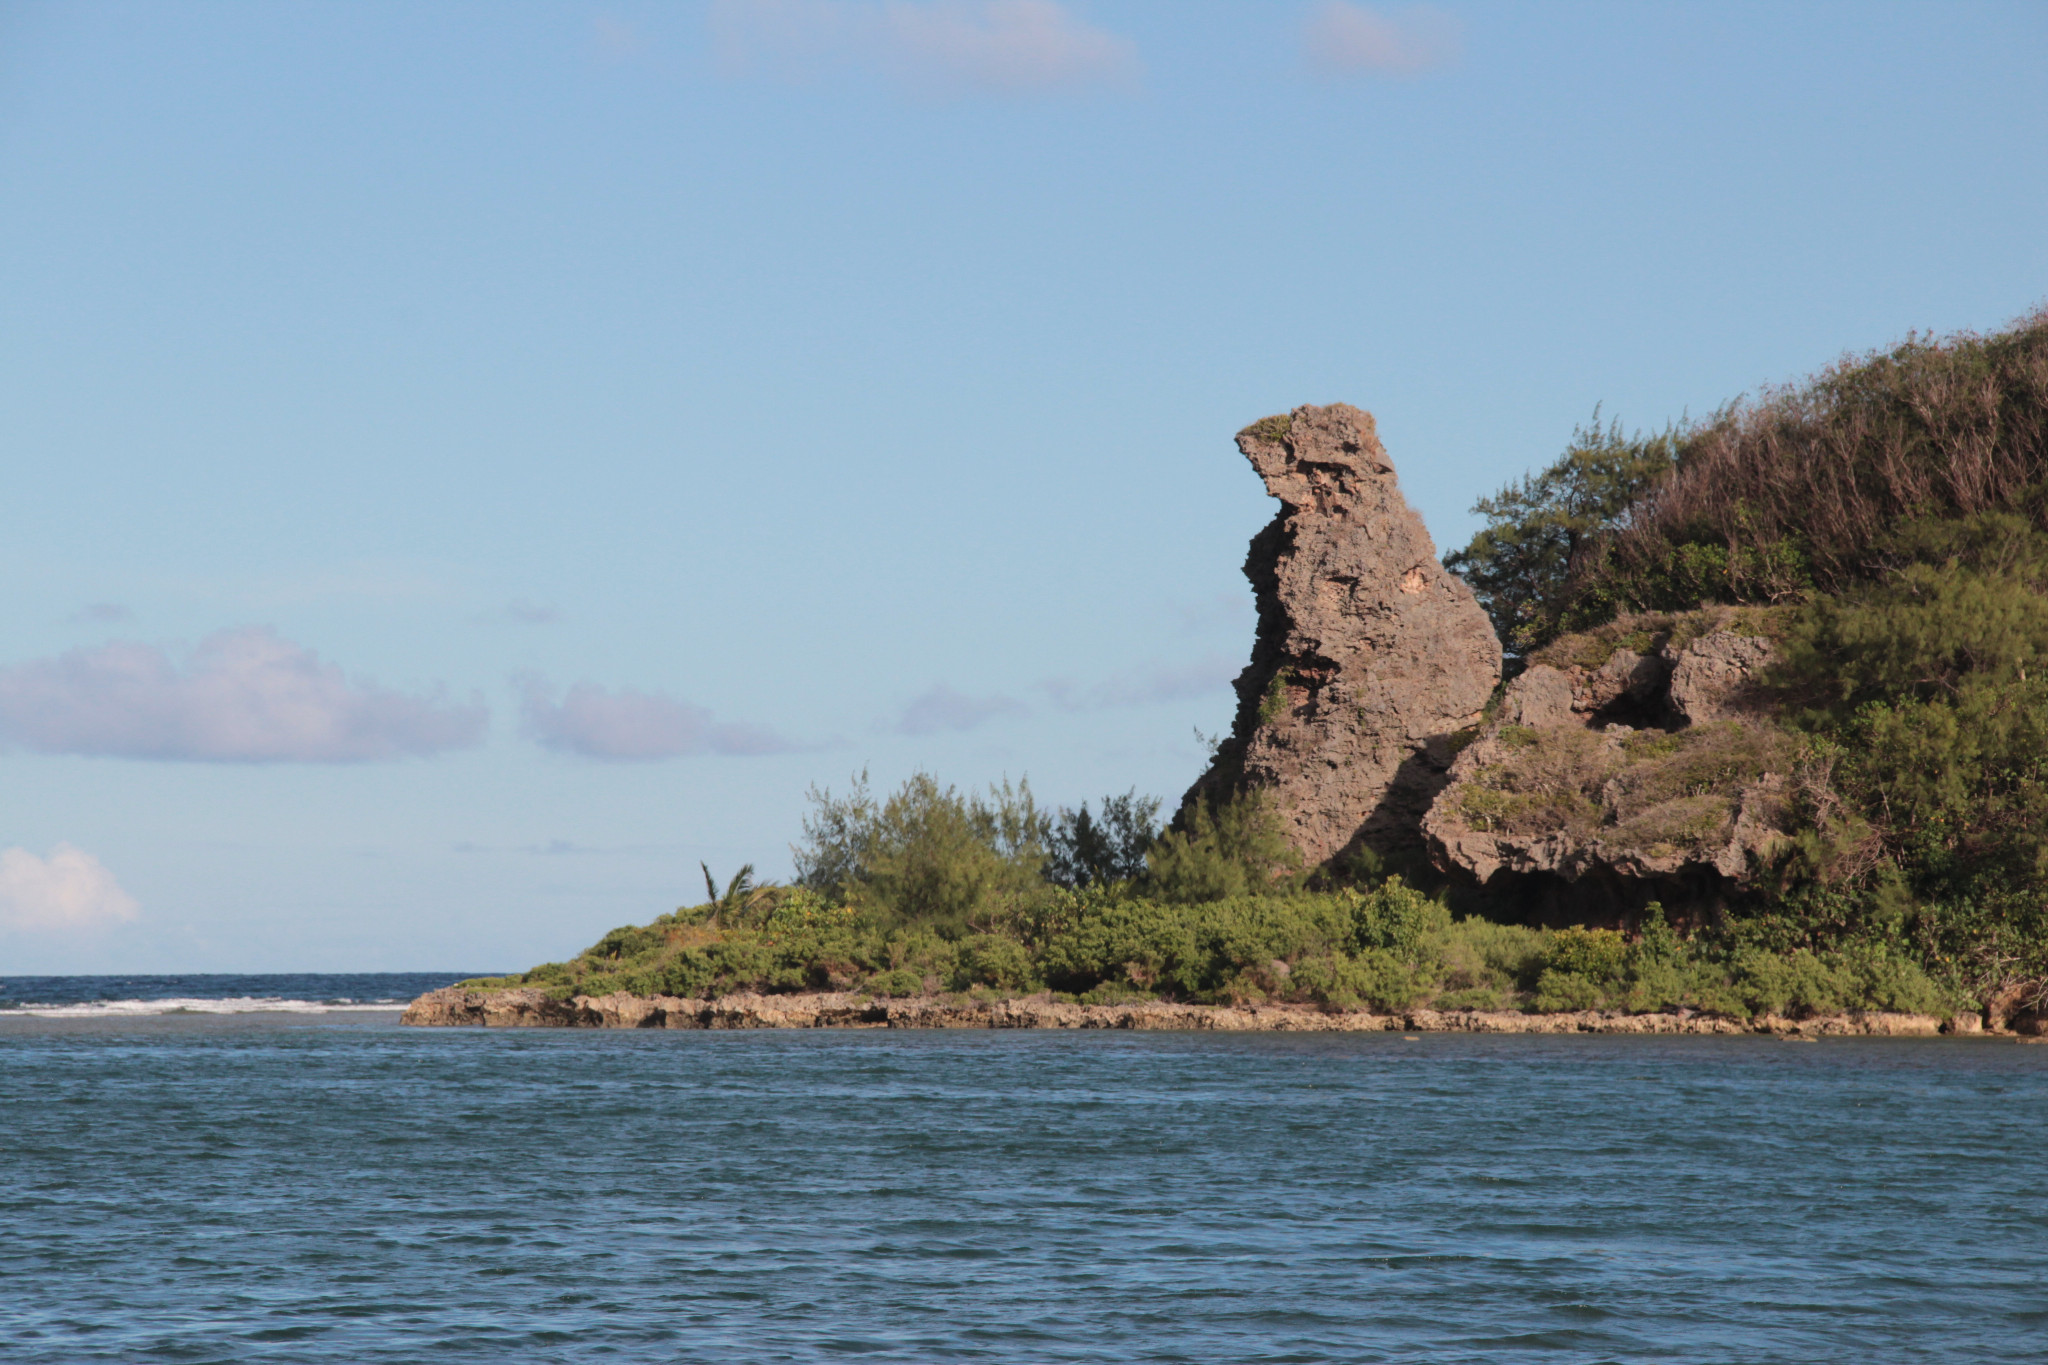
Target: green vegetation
1886,524
1539,529
1273,703
919,893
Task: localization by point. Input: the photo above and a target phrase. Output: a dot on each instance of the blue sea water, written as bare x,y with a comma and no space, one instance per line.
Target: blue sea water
300,1185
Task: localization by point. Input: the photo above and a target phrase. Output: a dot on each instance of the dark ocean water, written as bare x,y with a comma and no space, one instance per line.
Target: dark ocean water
329,1187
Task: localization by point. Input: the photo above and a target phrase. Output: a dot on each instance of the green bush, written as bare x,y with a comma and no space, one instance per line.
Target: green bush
995,961
1229,948
1497,959
1558,991
1473,998
1596,954
1387,949
1797,984
899,982
1222,849
1370,980
1397,919
926,854
1890,518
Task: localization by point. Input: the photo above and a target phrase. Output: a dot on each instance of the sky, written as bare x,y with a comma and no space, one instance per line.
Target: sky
466,465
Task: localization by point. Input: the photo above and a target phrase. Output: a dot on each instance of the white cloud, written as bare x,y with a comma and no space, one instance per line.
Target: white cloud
243,696
944,709
1348,39
634,726
1146,686
67,890
101,613
990,46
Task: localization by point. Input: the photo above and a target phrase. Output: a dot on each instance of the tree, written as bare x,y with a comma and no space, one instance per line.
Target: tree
1086,851
1520,566
1223,848
927,854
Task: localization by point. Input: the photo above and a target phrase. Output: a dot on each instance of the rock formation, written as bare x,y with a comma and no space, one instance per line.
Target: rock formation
1653,772
1369,655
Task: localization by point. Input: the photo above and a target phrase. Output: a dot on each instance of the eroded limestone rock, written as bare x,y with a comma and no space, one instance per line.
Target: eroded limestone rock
1369,655
1558,784
1712,677
1661,670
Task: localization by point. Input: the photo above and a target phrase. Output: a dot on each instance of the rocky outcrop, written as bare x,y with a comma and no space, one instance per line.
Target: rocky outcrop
531,1009
1369,655
1572,802
1713,677
1695,792
1648,672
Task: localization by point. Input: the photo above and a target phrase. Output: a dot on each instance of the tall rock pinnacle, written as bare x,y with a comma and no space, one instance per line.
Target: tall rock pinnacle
1369,654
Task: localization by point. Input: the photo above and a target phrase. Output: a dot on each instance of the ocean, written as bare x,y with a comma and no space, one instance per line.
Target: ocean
269,1169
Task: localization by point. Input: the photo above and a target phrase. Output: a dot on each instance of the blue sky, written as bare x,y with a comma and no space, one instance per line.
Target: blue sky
466,464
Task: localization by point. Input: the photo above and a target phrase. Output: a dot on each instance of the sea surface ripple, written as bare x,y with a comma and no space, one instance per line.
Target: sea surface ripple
308,1187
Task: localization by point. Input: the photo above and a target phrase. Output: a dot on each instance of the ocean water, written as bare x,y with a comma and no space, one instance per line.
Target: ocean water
91,997
301,1185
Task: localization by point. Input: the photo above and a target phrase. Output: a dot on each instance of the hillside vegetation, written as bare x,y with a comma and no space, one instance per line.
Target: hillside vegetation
1887,524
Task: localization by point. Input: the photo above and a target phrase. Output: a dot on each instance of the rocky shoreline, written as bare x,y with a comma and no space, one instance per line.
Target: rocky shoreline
527,1008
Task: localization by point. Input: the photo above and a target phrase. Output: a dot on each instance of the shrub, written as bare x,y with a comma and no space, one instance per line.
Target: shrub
1479,954
926,854
1397,919
1878,979
1121,938
1558,991
1276,428
629,941
1386,949
995,961
898,982
1472,998
1597,954
1222,849
1799,983
1370,980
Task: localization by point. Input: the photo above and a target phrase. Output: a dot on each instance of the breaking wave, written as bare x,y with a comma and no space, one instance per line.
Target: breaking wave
246,1004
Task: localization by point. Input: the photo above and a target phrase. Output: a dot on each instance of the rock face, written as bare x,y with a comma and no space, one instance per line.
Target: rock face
1647,672
1693,794
1369,655
1711,676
